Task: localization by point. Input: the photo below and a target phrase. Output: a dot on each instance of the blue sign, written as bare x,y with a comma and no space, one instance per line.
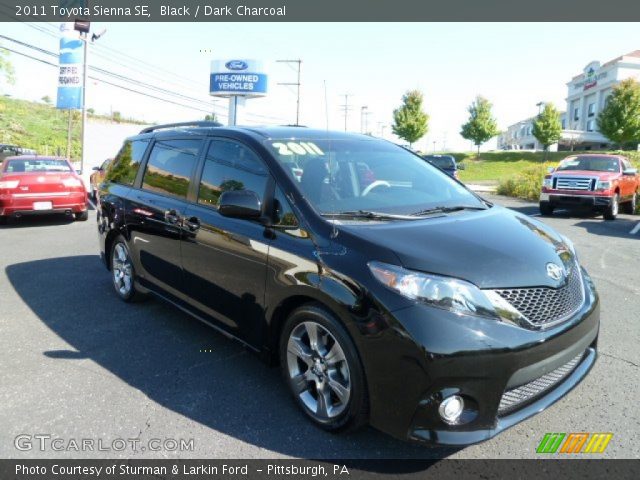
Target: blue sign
242,78
238,84
70,74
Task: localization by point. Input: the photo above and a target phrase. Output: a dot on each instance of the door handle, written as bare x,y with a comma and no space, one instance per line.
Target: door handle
171,216
192,223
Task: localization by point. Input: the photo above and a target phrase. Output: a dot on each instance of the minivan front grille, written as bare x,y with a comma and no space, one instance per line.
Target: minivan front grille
574,183
543,306
519,396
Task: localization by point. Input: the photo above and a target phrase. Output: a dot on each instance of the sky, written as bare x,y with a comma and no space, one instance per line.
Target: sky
514,65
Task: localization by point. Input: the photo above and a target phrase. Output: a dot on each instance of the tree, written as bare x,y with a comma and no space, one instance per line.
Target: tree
211,117
6,68
547,127
619,120
409,121
481,125
46,99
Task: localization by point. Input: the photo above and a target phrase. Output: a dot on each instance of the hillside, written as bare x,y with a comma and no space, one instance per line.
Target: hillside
43,127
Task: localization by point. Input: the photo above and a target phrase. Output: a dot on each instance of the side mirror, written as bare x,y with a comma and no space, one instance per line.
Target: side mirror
630,171
240,204
96,169
461,166
551,170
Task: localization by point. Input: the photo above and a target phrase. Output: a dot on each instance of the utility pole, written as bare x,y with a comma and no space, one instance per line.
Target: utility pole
363,116
297,84
85,38
540,105
345,108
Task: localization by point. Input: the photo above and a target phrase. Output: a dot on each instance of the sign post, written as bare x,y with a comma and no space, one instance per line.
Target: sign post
237,80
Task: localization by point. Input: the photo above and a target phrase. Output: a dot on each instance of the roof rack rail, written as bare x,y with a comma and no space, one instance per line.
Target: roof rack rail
203,123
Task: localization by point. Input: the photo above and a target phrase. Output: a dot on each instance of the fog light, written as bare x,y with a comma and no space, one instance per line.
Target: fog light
451,408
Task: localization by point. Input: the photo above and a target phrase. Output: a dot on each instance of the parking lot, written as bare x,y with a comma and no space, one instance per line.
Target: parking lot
78,363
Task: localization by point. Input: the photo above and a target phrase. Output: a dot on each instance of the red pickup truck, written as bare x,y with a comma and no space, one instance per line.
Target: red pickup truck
597,181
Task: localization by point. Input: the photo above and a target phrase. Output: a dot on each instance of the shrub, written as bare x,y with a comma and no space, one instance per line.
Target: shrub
526,184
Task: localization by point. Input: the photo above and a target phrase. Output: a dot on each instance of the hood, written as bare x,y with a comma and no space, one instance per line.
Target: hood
586,173
495,248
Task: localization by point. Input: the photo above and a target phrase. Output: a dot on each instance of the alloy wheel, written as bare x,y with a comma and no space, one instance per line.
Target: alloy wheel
122,270
318,371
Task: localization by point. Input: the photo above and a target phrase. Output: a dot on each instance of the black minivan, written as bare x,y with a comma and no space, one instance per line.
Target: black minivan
387,292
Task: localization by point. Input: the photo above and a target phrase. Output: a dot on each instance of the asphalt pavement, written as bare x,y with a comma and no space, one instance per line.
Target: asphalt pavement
78,364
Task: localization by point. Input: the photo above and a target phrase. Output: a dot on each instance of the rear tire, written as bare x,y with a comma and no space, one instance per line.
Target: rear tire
123,274
82,216
322,369
546,208
3,220
611,212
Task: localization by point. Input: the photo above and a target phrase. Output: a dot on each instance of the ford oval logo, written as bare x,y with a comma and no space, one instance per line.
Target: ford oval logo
555,272
236,65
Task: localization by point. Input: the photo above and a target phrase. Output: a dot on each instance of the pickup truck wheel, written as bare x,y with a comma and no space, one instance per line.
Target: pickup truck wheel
546,208
632,204
612,210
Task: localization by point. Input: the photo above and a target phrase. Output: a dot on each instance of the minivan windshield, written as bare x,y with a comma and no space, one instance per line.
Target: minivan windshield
369,177
441,161
590,163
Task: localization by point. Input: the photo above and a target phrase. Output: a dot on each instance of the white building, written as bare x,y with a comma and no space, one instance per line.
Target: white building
586,97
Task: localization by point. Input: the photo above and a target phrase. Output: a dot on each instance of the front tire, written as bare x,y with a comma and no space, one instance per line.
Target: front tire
122,272
322,369
82,216
611,211
546,209
632,204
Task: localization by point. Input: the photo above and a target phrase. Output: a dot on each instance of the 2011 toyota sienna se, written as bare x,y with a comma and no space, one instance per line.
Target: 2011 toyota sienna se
387,292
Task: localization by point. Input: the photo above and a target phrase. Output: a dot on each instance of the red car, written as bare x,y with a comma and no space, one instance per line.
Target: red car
597,181
34,185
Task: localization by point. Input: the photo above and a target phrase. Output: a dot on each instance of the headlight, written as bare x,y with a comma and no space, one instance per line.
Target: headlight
547,182
569,244
603,185
447,293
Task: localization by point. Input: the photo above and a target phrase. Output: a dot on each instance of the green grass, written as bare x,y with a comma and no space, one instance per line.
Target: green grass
38,126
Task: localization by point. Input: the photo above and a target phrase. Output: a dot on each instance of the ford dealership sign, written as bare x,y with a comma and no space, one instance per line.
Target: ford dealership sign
244,78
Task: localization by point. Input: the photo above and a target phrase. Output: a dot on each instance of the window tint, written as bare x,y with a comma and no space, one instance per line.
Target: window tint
125,166
170,165
284,215
230,165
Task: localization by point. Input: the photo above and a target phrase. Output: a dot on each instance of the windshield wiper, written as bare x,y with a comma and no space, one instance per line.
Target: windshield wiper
443,209
369,215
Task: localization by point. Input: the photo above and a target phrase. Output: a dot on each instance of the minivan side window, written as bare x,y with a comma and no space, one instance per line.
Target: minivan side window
170,166
230,165
124,168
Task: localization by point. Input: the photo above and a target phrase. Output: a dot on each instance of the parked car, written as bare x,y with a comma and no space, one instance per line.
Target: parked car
97,177
446,163
596,181
411,303
40,185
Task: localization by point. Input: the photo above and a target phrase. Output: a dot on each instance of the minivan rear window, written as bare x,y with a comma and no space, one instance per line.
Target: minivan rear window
125,167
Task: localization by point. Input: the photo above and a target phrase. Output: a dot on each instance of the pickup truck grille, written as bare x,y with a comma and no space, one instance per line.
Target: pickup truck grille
574,183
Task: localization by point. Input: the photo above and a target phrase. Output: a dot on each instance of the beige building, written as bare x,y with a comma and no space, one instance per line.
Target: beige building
587,94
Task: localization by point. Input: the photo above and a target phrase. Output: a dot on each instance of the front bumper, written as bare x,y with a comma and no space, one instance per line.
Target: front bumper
575,200
439,354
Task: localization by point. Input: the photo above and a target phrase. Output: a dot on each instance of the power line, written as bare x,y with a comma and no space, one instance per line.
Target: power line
346,108
295,84
210,107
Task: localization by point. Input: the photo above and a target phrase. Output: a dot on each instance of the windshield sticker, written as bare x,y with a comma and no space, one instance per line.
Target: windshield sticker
297,148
